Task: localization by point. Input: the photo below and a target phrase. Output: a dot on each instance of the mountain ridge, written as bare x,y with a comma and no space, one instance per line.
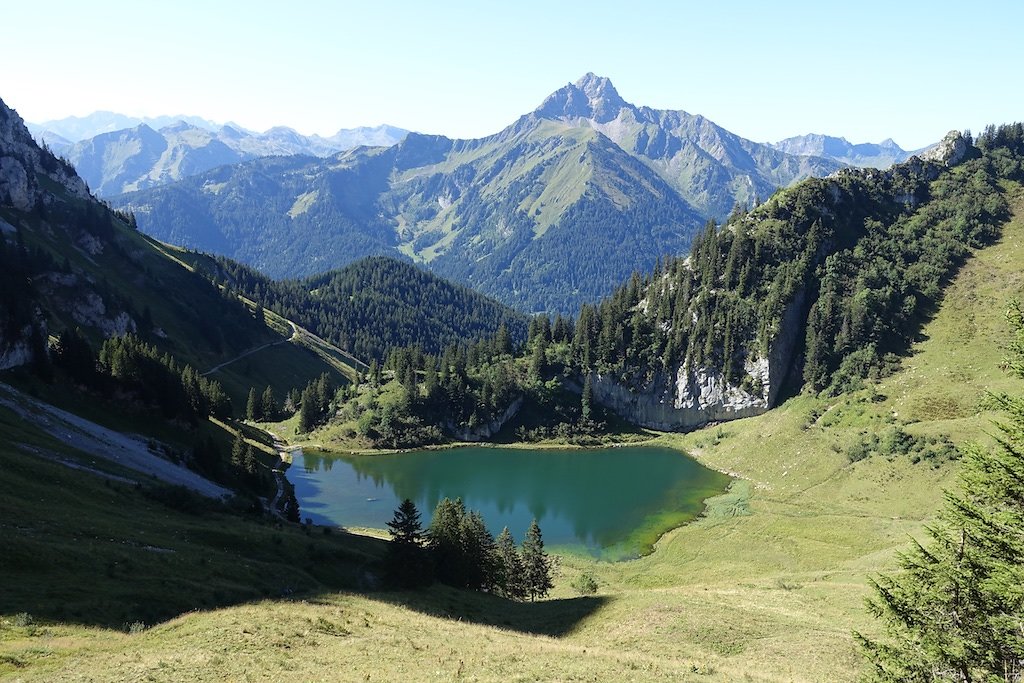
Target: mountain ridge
142,156
508,214
870,155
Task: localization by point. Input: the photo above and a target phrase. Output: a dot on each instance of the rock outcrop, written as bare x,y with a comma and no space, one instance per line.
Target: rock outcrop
693,397
22,162
950,151
487,430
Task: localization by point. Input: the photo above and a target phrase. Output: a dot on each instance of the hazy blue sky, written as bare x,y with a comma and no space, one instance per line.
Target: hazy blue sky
765,70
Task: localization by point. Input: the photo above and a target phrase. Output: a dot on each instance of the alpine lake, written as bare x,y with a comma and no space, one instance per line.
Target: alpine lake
611,503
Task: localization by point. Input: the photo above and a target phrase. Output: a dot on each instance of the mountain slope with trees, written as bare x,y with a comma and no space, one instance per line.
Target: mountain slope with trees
547,214
100,318
372,305
824,286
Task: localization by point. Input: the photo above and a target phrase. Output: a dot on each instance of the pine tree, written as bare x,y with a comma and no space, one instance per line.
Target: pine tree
510,573
587,400
956,611
407,564
252,406
268,404
445,541
536,564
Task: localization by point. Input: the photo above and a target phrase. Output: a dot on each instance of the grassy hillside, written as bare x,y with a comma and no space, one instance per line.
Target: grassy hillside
767,587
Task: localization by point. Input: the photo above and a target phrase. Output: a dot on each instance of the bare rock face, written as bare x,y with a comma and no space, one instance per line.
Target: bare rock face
693,397
950,151
21,161
485,431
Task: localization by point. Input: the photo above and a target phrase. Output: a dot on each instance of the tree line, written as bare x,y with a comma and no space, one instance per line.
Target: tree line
458,550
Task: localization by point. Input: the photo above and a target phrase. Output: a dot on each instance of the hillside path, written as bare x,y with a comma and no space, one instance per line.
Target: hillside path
295,336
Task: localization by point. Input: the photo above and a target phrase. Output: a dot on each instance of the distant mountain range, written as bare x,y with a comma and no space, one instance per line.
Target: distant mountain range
140,157
552,211
73,129
864,155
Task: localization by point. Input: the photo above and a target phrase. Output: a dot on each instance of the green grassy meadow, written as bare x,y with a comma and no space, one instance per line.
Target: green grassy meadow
767,586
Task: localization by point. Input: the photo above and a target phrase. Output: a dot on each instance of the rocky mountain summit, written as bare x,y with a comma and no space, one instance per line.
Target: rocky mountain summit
712,168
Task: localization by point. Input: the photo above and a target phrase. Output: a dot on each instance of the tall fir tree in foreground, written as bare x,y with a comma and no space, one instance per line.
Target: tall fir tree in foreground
536,564
407,564
511,581
956,611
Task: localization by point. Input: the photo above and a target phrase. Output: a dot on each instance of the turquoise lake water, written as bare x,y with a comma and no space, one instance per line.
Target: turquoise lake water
612,503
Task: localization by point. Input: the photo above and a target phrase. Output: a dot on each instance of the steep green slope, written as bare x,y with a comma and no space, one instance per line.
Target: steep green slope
826,284
73,263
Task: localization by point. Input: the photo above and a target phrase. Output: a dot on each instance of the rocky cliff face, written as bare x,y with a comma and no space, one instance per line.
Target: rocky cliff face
22,163
693,397
487,430
31,181
950,151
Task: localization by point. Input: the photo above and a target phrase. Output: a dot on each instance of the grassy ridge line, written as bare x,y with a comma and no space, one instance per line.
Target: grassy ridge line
767,587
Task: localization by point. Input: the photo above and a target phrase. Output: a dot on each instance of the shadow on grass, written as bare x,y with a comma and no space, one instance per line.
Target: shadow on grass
80,549
555,618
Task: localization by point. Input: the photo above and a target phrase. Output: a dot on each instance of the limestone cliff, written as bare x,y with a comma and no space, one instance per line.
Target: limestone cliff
487,430
692,397
23,164
33,182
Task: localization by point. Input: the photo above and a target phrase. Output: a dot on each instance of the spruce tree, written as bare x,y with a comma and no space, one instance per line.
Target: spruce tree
587,400
956,611
479,553
445,541
252,406
407,564
308,410
268,404
536,564
510,573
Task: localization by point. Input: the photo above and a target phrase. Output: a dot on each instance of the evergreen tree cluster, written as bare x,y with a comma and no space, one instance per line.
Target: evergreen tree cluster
955,612
246,465
262,407
315,403
863,254
459,551
375,304
414,398
127,363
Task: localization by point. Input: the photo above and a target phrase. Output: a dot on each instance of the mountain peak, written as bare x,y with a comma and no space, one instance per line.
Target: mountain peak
598,88
591,97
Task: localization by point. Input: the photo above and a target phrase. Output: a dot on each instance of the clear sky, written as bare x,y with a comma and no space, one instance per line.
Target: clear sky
764,69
